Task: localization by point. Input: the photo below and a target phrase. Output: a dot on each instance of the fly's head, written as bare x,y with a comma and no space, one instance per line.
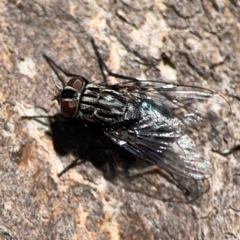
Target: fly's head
69,97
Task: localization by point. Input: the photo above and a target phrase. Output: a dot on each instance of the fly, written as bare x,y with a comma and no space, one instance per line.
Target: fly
156,121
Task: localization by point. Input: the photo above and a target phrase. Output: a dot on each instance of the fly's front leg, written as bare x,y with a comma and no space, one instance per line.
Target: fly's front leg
59,71
36,118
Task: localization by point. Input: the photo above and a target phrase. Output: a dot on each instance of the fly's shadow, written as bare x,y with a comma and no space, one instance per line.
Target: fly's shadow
87,142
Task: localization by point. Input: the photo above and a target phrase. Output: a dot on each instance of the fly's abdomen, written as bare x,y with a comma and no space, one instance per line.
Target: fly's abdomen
106,106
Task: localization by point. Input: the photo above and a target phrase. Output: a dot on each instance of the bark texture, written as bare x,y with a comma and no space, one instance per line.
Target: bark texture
190,42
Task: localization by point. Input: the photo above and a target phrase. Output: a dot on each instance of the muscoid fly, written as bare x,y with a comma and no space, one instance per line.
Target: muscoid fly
159,122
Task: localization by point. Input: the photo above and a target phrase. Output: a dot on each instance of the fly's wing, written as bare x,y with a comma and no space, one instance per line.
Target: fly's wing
174,120
162,141
201,110
188,99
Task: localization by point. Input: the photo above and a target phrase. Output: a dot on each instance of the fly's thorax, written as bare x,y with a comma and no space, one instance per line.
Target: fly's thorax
107,106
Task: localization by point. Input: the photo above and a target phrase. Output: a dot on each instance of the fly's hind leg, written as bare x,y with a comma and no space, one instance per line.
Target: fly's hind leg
73,164
190,188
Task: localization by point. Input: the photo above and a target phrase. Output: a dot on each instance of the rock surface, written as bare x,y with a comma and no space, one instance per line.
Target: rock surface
194,44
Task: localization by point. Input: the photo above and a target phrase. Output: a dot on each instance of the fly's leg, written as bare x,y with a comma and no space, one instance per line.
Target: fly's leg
191,188
101,63
103,66
59,71
73,164
57,68
62,73
36,118
146,170
108,168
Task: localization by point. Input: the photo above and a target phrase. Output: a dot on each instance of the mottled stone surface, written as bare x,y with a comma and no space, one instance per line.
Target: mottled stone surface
194,44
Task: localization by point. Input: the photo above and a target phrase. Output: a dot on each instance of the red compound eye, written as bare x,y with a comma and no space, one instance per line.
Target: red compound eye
69,96
69,109
76,83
